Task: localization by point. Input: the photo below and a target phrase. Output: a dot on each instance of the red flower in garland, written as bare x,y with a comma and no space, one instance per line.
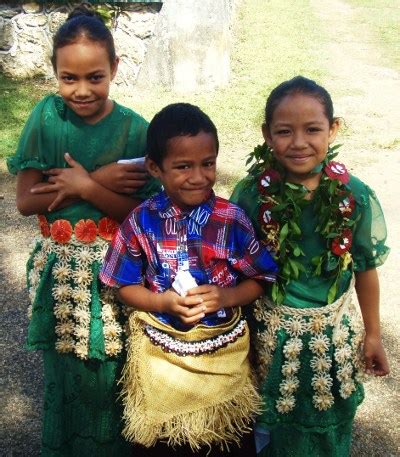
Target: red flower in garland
346,207
85,230
342,243
61,231
107,228
337,170
267,178
44,226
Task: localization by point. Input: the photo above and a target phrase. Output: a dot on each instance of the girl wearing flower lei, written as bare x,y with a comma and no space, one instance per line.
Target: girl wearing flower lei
74,319
327,232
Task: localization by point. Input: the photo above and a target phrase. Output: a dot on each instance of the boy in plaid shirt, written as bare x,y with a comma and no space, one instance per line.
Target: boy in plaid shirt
187,231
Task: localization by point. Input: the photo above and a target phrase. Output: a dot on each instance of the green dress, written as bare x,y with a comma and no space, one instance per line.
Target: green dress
73,318
308,352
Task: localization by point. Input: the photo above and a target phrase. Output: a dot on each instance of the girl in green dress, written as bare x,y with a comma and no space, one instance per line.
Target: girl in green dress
327,232
67,173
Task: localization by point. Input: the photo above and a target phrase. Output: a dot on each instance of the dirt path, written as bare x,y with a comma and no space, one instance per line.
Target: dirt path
371,109
369,104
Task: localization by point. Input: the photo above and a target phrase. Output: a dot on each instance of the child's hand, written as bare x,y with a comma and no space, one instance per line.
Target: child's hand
189,309
214,297
67,182
121,178
376,362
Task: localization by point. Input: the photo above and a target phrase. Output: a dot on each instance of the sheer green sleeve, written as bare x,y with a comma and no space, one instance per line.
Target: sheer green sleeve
245,195
369,249
30,150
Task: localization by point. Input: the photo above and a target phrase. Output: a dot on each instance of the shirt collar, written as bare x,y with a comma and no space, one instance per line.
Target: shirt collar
199,214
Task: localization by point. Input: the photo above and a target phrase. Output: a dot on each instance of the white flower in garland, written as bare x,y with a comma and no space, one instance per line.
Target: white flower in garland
268,339
81,295
82,315
82,349
345,372
290,368
65,327
321,382
83,276
323,401
112,329
29,312
293,348
318,323
285,404
347,388
320,363
258,311
62,310
64,252
39,261
113,347
343,353
319,344
47,245
107,296
84,256
81,332
296,326
288,386
65,344
62,292
107,312
34,278
62,272
341,335
274,320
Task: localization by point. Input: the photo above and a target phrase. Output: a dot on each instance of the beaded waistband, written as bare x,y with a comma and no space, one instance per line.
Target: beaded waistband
84,231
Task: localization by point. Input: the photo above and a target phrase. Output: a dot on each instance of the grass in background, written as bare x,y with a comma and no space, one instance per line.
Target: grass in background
382,17
272,41
16,102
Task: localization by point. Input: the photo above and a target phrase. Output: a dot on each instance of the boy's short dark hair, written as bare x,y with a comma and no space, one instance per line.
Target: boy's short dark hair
177,119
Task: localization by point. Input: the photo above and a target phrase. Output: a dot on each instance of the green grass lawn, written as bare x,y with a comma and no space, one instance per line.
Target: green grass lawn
272,41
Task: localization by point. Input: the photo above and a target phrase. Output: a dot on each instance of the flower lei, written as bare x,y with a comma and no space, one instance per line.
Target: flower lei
281,204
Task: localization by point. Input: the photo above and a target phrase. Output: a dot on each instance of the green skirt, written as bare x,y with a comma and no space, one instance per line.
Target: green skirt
82,415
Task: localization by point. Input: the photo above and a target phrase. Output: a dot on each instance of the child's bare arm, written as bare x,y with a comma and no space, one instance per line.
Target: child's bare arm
122,178
189,309
367,287
29,203
75,182
215,298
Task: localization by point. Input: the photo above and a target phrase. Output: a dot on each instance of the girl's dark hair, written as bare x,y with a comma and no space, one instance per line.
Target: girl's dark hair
83,22
298,85
177,119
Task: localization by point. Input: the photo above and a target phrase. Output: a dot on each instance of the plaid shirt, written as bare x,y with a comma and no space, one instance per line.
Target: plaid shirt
215,242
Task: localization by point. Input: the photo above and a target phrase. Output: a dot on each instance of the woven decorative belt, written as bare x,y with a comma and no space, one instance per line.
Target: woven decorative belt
84,231
308,330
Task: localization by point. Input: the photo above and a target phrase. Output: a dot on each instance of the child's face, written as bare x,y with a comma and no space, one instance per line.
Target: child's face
188,169
84,74
299,135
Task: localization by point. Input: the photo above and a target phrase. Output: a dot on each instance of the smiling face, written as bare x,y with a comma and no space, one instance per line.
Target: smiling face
188,170
84,74
300,134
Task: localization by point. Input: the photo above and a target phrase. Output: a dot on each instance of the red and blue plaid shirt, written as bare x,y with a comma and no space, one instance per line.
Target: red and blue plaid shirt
215,241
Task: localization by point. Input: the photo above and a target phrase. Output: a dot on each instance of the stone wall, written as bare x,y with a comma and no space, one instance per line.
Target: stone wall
26,31
180,44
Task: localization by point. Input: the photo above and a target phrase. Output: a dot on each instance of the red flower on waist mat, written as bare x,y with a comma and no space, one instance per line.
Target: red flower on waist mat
44,226
342,243
337,170
61,231
85,230
107,228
